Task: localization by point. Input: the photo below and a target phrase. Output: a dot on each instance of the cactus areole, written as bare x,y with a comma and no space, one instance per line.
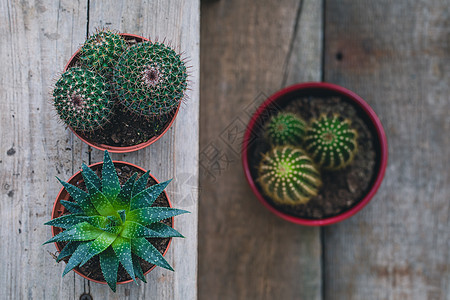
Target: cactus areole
321,172
145,99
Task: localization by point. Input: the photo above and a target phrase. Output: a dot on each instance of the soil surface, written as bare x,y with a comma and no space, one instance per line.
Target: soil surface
92,267
341,189
128,129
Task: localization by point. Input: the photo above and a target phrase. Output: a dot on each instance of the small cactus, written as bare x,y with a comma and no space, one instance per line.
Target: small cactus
101,51
150,79
288,176
331,142
286,129
82,100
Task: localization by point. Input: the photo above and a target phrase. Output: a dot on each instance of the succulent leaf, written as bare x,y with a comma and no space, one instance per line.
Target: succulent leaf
90,174
149,215
113,222
109,264
110,180
72,207
148,196
145,250
68,250
81,197
77,257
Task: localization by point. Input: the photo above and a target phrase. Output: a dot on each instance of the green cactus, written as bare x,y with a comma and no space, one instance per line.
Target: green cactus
331,142
101,51
288,176
285,129
150,79
82,100
113,222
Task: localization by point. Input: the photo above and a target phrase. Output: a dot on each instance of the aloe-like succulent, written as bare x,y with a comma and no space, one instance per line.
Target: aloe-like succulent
150,79
101,51
82,99
286,129
113,222
331,142
288,175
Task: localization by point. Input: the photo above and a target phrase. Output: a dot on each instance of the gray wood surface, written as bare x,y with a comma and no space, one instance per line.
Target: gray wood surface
37,40
396,55
248,51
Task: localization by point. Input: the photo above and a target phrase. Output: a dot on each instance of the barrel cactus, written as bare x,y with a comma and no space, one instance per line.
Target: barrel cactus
288,175
101,51
150,79
83,99
331,142
285,129
114,223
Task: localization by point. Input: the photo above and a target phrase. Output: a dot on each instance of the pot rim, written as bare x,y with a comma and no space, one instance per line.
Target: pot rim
117,149
380,134
58,198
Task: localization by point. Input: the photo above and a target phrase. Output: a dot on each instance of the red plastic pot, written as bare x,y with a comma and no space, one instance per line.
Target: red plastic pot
117,149
59,209
279,99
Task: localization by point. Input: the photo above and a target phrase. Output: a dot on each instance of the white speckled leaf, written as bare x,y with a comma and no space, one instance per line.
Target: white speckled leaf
148,196
145,250
109,264
110,180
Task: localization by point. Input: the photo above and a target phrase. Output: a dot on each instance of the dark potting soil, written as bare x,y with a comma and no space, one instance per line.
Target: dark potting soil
92,267
128,129
341,189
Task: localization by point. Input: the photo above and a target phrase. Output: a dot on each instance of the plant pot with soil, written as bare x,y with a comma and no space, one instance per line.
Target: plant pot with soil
112,223
314,153
120,92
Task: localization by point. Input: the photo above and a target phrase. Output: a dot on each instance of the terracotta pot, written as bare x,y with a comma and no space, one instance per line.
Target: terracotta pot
59,209
279,99
117,149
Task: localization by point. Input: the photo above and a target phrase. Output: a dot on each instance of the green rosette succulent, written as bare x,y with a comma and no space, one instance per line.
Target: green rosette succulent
101,51
113,222
150,79
331,142
286,129
82,100
288,175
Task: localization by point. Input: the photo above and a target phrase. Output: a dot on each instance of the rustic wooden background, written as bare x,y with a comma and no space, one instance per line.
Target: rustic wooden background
396,55
38,37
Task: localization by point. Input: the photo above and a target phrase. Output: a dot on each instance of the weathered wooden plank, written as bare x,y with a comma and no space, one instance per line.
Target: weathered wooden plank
36,38
249,50
175,155
396,55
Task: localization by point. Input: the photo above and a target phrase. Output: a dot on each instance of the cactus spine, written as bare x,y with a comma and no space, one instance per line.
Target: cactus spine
286,129
150,79
82,99
288,176
331,142
101,52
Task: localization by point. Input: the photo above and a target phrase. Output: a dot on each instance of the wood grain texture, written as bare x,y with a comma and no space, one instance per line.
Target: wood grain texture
396,55
249,50
38,38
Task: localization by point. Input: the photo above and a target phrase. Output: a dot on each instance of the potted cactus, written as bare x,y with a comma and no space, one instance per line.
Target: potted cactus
120,92
314,153
111,226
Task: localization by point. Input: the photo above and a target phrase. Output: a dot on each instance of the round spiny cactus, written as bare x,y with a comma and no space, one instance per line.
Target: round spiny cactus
150,79
82,100
101,51
288,176
331,142
285,129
